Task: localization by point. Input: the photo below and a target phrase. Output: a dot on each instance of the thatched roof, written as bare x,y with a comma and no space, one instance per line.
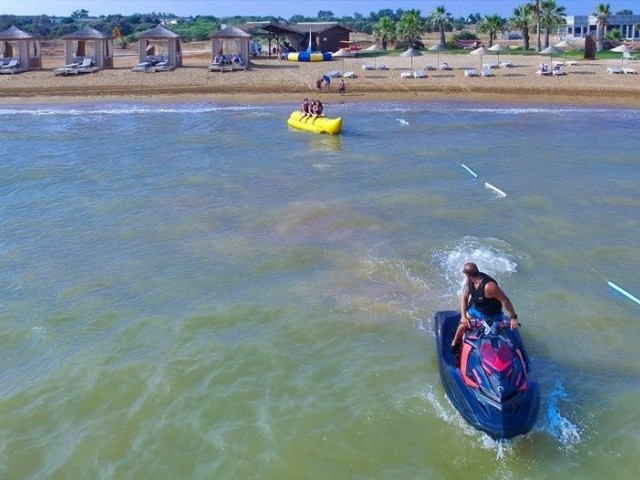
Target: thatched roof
87,33
14,33
230,32
159,32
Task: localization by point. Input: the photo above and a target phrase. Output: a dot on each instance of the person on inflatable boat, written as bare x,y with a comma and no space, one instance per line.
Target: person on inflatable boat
487,300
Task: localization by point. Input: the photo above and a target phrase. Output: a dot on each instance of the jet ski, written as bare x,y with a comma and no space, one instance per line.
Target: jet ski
489,378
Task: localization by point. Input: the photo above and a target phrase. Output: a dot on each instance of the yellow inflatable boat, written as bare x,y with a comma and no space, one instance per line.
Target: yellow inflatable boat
315,124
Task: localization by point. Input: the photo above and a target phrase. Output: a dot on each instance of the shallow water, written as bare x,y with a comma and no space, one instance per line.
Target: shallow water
195,291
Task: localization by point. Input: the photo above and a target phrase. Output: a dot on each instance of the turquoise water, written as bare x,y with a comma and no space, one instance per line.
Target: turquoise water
196,291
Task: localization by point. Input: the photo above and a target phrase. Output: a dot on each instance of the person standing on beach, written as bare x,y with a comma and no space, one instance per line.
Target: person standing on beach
343,87
487,300
327,82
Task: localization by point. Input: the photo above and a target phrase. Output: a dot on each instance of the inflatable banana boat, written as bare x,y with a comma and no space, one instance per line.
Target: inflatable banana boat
332,126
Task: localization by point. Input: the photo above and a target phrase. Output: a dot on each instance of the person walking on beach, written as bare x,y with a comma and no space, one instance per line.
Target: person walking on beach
487,300
327,82
343,87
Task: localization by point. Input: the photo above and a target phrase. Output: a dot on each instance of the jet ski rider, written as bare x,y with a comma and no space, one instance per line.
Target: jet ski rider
487,300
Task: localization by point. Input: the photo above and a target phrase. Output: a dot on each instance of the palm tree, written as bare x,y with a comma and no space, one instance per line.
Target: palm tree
384,31
440,20
492,25
410,27
521,20
603,10
535,9
551,15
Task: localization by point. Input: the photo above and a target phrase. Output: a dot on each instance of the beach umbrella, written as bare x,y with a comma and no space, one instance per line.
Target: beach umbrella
341,54
622,49
565,45
497,48
375,48
412,52
480,51
551,50
438,47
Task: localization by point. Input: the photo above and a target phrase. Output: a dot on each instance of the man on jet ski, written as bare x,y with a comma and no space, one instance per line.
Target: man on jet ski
486,301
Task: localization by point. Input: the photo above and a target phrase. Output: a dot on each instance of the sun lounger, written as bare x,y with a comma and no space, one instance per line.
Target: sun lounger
333,74
445,66
406,74
543,72
349,75
429,67
506,64
142,67
419,74
86,66
381,67
485,72
487,66
628,71
571,63
163,66
470,72
613,70
13,66
366,66
557,72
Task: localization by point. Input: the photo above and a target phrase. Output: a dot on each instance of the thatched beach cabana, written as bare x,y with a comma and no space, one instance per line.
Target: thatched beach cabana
22,48
230,41
160,45
89,43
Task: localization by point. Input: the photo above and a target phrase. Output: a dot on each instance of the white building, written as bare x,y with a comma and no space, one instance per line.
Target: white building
579,26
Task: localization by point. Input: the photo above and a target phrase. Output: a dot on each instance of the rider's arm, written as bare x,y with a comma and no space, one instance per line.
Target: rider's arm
492,290
464,303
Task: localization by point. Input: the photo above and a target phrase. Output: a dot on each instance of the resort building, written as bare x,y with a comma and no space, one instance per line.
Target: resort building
579,26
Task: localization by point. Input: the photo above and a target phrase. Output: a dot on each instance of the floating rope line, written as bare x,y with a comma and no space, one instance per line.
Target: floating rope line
495,189
469,170
624,292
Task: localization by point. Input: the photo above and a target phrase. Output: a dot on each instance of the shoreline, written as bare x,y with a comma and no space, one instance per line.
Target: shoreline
272,81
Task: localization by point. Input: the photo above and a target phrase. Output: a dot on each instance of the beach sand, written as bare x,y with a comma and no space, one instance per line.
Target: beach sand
269,80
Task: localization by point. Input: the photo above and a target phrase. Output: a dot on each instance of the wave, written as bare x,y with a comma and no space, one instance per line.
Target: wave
129,108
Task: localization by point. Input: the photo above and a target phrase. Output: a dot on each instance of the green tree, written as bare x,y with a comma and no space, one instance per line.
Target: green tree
410,27
384,31
326,16
78,14
537,12
522,20
491,24
440,20
603,10
551,15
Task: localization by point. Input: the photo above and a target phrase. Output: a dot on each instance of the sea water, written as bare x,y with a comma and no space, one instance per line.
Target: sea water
194,290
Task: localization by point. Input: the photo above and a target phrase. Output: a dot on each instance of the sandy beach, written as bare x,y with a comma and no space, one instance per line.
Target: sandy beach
272,80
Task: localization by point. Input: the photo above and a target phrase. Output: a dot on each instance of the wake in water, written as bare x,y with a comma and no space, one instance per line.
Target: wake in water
557,425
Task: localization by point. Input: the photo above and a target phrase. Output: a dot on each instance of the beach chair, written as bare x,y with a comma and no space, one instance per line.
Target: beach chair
506,64
613,70
558,72
406,74
333,74
543,72
12,66
142,67
470,72
485,72
349,75
163,66
487,66
86,66
366,66
445,66
419,74
429,67
382,66
628,71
